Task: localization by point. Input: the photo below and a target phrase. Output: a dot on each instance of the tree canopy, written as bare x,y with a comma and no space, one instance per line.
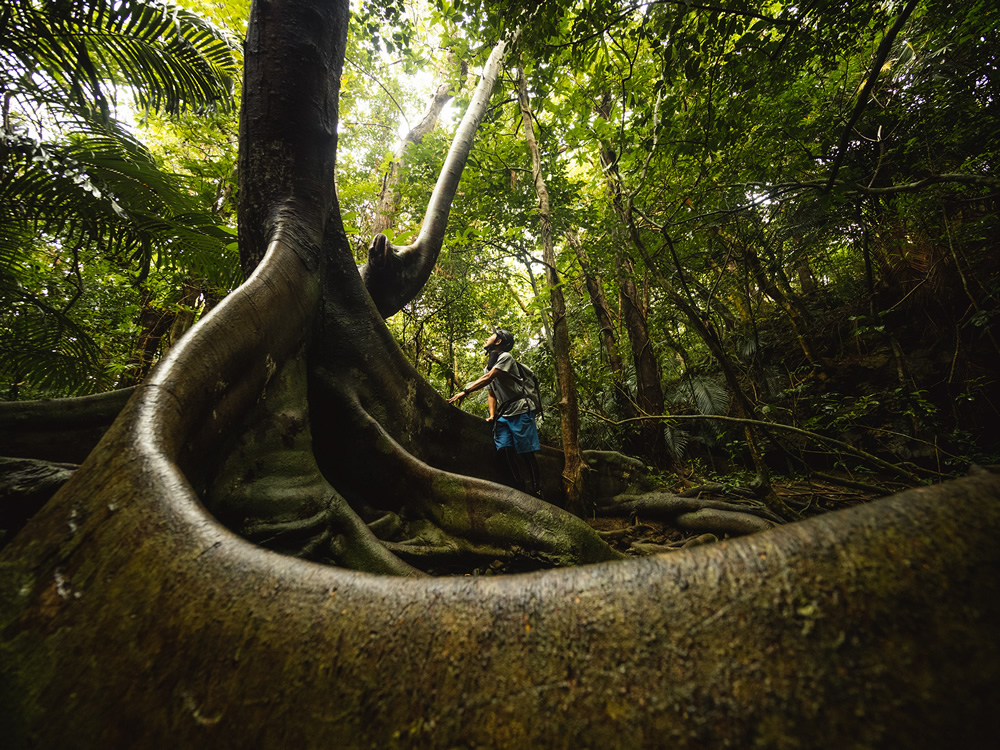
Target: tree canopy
787,210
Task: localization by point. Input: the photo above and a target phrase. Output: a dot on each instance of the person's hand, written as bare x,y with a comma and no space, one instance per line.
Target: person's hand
457,398
489,419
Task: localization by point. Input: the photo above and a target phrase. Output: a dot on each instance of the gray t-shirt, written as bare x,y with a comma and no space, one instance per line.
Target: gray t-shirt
506,386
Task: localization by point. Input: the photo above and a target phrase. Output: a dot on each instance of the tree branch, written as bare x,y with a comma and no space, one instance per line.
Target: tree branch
846,447
880,54
395,275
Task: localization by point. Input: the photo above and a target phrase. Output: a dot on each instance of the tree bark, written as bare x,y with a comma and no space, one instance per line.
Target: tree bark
143,623
598,300
65,429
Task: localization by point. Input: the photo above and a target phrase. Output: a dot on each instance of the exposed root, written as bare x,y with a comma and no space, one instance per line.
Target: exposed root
470,516
62,429
26,484
386,526
626,531
651,548
269,489
734,523
694,513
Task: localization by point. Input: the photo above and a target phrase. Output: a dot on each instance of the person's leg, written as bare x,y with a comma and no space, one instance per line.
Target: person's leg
503,438
536,476
509,455
524,436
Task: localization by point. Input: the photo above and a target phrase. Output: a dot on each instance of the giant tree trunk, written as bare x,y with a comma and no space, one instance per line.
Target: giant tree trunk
139,622
130,617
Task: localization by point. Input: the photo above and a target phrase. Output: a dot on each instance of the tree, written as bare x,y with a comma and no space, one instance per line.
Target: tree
124,574
569,413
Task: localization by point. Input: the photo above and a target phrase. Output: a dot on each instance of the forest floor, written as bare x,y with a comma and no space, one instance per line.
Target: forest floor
808,497
638,536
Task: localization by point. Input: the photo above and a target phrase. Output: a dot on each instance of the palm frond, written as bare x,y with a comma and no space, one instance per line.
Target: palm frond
104,187
677,441
43,347
169,57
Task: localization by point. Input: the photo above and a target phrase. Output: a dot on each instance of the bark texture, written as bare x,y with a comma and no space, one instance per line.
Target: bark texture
141,622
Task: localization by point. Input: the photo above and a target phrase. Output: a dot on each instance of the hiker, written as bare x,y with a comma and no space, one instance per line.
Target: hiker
511,409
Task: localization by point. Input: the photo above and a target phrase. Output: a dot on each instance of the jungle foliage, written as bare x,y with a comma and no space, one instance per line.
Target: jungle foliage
796,202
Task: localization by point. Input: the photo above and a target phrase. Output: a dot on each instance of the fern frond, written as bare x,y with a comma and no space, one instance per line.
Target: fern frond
707,395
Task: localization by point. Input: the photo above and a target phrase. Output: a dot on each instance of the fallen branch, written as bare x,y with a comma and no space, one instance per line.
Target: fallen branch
846,447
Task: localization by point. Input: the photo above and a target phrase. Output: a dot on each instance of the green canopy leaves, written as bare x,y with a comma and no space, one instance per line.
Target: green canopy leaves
78,185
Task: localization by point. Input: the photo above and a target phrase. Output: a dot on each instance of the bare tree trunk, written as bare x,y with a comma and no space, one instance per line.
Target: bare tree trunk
600,303
649,389
154,323
569,412
526,259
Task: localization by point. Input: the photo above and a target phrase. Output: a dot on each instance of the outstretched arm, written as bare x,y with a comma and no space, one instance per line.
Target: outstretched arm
484,381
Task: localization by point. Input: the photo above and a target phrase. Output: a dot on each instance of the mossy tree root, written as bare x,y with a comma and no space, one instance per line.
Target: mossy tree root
694,513
471,516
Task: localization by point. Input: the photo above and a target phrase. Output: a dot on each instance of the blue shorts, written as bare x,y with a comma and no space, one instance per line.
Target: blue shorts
519,431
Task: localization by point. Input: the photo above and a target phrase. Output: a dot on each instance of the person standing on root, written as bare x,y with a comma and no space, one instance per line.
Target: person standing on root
514,430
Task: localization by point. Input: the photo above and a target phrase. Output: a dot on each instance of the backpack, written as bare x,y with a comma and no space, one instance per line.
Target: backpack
527,383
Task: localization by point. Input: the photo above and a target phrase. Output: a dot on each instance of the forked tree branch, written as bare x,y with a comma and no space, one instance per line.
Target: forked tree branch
395,275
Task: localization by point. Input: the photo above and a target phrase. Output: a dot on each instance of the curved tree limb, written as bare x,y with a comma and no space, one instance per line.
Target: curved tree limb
394,275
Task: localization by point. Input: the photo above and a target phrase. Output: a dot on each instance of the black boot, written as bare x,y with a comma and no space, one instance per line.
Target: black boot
536,475
510,458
